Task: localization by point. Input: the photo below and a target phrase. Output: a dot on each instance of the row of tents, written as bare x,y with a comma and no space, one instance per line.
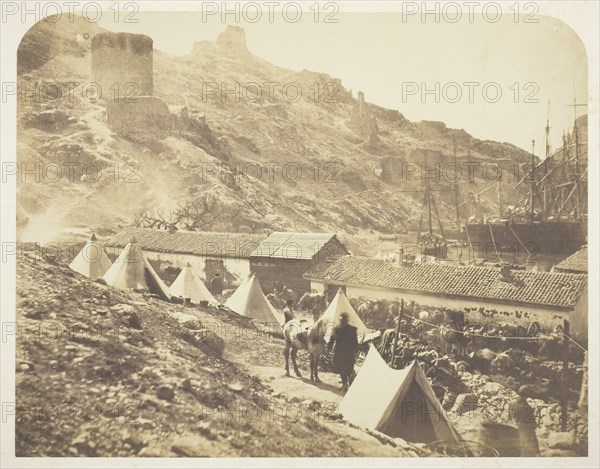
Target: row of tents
399,403
132,271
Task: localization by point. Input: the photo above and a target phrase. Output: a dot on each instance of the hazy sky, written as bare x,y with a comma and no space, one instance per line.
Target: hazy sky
388,58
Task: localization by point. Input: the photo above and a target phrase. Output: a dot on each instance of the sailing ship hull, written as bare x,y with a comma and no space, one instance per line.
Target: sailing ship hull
549,237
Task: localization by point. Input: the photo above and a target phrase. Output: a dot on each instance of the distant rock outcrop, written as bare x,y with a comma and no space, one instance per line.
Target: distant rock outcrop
233,38
362,122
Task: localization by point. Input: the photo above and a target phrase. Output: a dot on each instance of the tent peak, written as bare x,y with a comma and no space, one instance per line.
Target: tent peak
93,237
133,240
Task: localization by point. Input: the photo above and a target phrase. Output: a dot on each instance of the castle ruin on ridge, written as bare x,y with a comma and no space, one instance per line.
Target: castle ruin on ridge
122,66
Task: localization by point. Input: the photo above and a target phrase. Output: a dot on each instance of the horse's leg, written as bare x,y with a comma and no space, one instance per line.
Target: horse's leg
316,367
286,353
296,370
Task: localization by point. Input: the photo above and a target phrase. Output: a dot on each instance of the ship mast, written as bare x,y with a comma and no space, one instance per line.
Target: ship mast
456,195
546,162
577,167
429,201
429,206
500,199
547,129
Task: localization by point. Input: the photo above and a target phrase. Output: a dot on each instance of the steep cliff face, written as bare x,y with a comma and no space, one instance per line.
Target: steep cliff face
303,154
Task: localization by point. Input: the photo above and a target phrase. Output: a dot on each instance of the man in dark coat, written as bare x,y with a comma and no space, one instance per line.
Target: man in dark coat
216,285
345,346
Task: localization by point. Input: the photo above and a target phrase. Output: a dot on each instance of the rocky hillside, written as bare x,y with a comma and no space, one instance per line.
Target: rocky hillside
301,154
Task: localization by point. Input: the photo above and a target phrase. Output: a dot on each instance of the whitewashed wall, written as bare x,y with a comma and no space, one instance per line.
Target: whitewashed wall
238,267
522,315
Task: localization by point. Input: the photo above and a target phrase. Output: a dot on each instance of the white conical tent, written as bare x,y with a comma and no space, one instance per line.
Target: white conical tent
399,403
249,300
331,316
91,261
188,284
131,270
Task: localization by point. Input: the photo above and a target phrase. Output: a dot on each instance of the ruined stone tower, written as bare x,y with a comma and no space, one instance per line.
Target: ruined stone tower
124,59
362,122
122,65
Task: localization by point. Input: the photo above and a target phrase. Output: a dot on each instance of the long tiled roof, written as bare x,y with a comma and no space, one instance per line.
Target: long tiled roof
575,263
200,243
529,287
292,245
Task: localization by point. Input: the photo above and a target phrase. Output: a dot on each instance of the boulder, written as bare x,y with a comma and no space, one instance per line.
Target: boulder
134,439
53,119
192,446
206,340
155,452
188,320
165,392
122,308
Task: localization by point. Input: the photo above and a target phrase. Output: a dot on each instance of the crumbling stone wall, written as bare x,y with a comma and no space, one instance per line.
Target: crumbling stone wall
125,59
191,125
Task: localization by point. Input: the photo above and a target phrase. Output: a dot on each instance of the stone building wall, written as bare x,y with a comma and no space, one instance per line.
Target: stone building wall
142,119
476,311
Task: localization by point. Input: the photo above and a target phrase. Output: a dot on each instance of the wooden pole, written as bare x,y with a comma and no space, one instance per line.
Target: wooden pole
583,399
395,343
565,385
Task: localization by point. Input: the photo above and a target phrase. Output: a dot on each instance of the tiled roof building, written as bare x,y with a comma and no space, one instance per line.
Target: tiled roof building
284,257
576,263
199,243
557,290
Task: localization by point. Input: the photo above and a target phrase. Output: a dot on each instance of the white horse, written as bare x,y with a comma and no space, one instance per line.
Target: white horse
297,337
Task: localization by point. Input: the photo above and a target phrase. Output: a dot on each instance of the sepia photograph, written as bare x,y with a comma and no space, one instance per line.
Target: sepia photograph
290,230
